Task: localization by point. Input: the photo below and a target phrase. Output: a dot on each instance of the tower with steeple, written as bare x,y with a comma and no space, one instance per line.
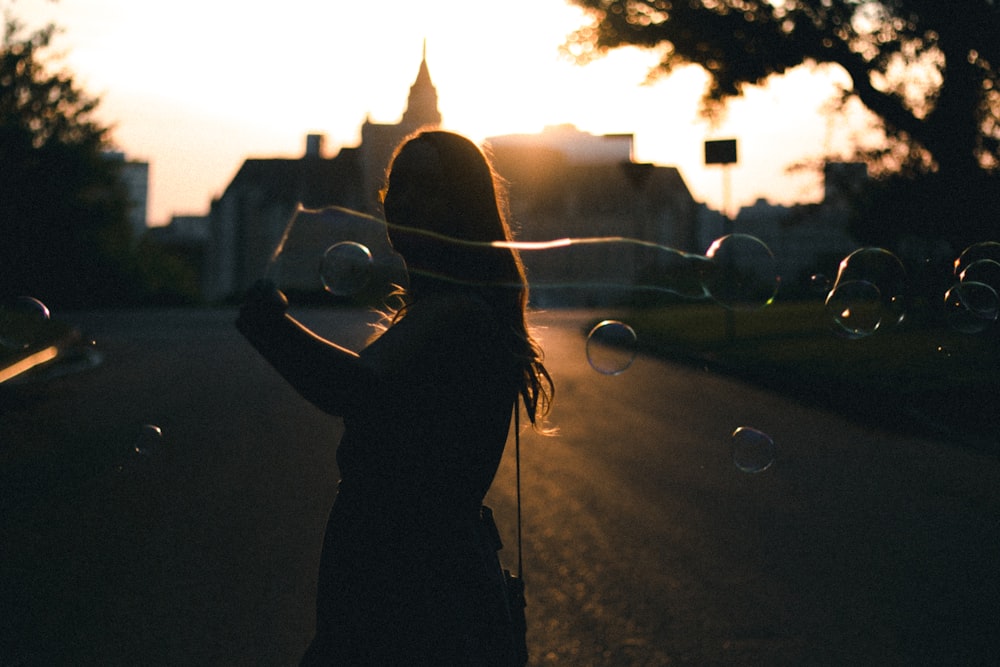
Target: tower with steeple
378,140
422,104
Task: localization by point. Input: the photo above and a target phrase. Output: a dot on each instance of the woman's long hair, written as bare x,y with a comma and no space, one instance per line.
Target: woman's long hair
443,192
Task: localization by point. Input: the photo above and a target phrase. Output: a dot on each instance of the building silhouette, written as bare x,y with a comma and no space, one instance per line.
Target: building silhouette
565,183
562,183
247,221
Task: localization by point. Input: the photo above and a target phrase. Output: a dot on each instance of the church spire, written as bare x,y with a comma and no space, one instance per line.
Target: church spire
421,106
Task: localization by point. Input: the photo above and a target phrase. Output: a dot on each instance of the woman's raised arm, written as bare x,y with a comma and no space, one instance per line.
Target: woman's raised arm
329,376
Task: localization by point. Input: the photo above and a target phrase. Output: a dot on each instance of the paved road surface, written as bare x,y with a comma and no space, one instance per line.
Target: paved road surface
644,544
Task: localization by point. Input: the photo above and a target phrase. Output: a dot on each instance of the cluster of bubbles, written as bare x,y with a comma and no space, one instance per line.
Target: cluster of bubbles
868,293
972,302
870,288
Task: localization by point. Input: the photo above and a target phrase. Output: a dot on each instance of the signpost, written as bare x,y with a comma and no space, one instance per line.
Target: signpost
723,151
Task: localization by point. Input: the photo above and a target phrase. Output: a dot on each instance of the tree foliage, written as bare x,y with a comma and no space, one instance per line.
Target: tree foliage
928,69
63,213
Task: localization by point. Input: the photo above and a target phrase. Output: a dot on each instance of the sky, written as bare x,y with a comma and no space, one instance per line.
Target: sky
195,87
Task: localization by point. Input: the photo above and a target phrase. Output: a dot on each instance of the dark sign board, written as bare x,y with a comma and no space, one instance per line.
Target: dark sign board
720,151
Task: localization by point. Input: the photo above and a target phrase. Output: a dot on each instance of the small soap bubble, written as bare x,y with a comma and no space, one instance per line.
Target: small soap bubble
144,450
611,347
971,307
753,451
743,273
819,283
149,440
346,268
855,309
22,321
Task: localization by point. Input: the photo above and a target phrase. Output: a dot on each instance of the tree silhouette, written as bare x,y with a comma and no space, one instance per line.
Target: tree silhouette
930,70
63,212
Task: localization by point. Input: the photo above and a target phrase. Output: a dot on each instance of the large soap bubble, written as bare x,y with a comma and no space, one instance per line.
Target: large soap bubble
868,293
333,254
346,268
971,304
742,273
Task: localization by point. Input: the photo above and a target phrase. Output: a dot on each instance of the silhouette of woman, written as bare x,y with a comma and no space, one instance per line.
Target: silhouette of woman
407,576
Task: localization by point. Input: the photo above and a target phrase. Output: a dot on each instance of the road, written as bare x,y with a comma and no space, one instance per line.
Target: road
644,544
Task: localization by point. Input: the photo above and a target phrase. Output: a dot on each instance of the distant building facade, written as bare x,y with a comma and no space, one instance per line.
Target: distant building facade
565,183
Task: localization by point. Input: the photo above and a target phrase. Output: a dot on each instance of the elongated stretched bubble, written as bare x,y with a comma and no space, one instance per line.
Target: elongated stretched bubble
337,256
349,255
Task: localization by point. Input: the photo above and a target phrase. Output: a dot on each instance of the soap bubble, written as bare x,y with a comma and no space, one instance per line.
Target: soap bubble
986,271
149,440
743,273
858,309
346,268
988,250
22,322
855,309
971,307
611,347
335,251
144,451
753,451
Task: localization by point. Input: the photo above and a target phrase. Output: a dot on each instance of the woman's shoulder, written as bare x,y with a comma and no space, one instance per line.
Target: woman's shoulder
457,305
462,319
